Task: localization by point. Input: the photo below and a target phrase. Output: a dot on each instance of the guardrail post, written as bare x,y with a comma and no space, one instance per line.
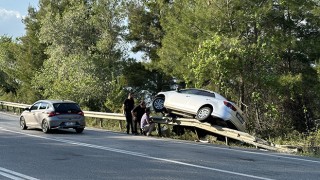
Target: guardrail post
195,130
96,121
159,129
120,125
227,141
100,123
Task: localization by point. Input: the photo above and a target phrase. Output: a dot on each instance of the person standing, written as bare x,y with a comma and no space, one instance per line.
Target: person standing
127,107
137,114
147,125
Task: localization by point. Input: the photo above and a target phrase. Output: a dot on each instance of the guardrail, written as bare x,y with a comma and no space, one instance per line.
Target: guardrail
226,132
15,106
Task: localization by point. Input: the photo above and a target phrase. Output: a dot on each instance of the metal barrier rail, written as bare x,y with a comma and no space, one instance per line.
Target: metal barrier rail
102,115
14,106
226,132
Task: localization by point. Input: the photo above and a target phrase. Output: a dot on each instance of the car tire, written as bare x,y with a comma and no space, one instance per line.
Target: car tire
158,104
23,125
45,126
203,113
79,130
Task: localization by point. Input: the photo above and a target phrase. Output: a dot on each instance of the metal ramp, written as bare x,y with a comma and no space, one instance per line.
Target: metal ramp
226,132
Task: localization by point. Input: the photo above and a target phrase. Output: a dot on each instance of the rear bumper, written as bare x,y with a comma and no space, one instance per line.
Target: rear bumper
237,120
65,125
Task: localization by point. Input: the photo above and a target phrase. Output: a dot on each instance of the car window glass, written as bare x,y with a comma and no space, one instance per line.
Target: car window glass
205,93
35,106
189,91
183,91
192,91
43,106
66,107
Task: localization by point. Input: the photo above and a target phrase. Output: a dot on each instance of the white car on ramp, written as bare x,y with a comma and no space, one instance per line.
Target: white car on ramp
201,104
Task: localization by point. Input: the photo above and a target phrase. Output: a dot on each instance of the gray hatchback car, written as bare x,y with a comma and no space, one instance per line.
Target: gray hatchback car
53,114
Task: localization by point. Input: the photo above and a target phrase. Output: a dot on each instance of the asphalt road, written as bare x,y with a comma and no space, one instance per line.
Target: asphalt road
98,154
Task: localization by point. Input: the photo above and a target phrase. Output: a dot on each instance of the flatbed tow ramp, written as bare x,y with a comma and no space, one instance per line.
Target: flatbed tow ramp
226,132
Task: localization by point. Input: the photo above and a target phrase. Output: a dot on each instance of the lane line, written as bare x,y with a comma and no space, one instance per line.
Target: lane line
138,155
10,176
15,175
255,153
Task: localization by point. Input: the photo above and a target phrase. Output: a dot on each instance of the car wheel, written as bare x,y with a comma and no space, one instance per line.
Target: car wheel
203,113
79,130
158,104
23,125
45,126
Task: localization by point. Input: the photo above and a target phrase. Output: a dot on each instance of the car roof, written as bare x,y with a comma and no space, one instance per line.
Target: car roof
55,101
217,95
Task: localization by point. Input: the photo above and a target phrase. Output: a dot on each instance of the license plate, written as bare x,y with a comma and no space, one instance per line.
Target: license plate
69,123
240,118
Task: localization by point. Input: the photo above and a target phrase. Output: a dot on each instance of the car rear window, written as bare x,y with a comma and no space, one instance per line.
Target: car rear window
66,108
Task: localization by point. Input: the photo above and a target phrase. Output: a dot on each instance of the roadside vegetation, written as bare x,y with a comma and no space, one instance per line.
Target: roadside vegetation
263,55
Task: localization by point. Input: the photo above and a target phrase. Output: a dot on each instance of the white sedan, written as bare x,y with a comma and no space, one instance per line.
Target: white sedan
201,104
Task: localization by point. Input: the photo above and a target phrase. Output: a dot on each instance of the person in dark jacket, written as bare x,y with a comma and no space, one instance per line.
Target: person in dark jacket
127,107
137,114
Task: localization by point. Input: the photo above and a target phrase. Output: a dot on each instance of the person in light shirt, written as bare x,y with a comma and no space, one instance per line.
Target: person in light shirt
147,125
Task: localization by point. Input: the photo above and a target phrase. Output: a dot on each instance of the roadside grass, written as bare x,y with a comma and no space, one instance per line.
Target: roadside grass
308,143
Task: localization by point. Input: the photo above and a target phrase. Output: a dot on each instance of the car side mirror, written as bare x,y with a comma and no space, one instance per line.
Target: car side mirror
27,109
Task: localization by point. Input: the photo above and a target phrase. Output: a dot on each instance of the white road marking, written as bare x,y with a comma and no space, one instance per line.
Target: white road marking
256,153
15,175
138,155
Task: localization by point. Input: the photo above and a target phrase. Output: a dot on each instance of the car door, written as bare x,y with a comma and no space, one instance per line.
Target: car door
197,99
177,100
41,112
29,115
187,99
192,98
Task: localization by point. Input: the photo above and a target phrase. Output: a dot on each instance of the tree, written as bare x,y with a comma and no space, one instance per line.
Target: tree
145,33
266,58
31,57
82,39
8,65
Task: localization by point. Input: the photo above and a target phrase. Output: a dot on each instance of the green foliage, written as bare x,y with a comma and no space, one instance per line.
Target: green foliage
215,64
82,39
116,96
67,78
263,55
248,47
145,30
8,65
308,143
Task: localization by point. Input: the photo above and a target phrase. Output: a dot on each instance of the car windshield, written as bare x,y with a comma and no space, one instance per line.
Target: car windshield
66,107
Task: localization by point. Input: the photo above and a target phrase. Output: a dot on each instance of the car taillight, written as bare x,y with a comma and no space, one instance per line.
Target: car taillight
50,114
81,113
229,105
